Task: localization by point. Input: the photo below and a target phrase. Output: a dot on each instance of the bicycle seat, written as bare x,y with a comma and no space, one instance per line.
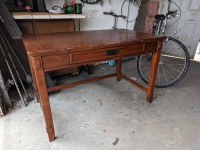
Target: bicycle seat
160,17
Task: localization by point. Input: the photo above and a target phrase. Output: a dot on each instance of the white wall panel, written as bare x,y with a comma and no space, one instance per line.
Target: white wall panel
95,20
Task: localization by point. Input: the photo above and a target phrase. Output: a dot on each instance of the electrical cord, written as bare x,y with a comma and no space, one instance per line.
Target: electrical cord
130,1
128,15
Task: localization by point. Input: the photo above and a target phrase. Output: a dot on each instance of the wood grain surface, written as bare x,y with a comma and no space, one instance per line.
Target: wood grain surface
47,44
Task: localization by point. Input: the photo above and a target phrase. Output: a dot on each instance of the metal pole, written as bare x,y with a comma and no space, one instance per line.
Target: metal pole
18,75
1,108
4,91
28,77
13,77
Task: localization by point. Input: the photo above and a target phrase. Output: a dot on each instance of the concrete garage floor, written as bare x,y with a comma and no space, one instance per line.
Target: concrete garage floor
92,116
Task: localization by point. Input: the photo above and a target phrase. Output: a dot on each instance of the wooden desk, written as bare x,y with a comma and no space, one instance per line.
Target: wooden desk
47,52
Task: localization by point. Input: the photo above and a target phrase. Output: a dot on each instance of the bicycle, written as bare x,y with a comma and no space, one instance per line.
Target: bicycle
174,59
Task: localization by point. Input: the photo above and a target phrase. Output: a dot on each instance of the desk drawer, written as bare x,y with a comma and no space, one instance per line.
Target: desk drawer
131,49
55,60
78,57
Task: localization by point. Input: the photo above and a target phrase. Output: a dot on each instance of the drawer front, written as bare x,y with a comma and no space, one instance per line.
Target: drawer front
87,56
129,50
79,57
55,60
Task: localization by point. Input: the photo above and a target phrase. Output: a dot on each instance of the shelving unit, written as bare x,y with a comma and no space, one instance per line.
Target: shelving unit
44,15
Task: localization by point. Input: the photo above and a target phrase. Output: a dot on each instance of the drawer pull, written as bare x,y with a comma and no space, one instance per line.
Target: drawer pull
112,52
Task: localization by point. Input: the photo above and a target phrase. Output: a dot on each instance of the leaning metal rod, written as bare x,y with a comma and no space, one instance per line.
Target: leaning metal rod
13,77
19,72
28,77
4,91
18,75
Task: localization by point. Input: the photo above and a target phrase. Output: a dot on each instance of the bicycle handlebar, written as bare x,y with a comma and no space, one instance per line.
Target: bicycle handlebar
172,13
113,14
106,13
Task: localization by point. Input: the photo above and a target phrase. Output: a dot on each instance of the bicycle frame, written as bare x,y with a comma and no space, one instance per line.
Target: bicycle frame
162,24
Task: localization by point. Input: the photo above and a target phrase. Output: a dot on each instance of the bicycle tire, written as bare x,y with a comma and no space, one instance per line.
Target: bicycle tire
183,72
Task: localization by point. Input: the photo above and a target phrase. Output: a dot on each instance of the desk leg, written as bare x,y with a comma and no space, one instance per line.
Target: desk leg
119,67
34,80
153,73
43,96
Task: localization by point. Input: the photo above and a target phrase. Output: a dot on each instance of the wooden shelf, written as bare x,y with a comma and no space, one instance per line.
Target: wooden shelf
39,15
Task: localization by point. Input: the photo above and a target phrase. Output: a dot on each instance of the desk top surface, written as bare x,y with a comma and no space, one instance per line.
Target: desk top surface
45,44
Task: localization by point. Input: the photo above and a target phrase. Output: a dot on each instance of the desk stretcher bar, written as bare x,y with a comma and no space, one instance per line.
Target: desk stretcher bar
95,79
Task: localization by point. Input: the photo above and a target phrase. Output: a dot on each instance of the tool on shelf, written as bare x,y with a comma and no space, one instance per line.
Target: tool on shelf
57,10
78,8
68,6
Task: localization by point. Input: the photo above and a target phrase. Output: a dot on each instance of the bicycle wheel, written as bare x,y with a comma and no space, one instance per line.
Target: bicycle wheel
173,65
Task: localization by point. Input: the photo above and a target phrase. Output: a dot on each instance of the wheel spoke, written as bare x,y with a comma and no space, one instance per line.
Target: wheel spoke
164,74
146,75
172,55
170,74
159,74
175,64
175,70
172,65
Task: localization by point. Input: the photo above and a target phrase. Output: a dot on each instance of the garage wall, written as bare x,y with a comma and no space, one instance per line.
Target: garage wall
95,20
